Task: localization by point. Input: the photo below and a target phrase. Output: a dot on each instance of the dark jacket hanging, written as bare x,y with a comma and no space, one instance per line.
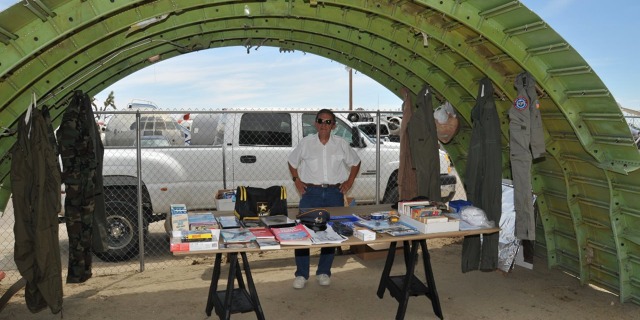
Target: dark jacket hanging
79,161
423,139
35,181
407,180
483,179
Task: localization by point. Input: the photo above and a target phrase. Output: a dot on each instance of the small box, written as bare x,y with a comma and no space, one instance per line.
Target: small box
365,235
225,200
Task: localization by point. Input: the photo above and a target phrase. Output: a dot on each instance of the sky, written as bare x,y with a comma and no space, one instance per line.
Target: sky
605,34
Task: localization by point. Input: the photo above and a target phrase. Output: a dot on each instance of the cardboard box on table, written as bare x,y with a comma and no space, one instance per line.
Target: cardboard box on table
224,204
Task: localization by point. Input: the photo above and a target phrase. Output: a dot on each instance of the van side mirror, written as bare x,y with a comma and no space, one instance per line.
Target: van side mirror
356,140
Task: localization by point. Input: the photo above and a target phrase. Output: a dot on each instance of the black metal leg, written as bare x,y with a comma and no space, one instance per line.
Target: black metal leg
406,284
391,253
253,293
431,282
213,288
233,259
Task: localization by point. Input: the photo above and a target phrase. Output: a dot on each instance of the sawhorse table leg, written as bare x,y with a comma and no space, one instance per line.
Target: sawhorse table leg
403,286
233,300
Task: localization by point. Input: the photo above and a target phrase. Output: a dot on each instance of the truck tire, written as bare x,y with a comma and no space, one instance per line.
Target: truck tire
391,192
122,232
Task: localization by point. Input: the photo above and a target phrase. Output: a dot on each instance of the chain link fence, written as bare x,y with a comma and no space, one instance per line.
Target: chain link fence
187,156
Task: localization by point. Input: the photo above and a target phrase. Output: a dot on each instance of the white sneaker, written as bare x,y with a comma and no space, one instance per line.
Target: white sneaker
323,279
299,282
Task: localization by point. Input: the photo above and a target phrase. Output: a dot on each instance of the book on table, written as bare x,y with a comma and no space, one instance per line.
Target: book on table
296,235
178,244
202,221
384,226
237,235
277,221
268,244
241,245
251,222
262,233
227,222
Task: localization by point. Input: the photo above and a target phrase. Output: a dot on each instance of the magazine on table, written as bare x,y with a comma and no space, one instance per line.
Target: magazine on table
227,222
327,236
296,235
237,235
384,226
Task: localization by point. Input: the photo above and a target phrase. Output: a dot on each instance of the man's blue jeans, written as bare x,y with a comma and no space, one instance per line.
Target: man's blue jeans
318,197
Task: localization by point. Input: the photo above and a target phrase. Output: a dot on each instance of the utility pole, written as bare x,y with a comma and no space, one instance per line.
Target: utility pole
350,87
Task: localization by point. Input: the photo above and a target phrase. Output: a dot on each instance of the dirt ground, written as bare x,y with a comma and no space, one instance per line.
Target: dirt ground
181,292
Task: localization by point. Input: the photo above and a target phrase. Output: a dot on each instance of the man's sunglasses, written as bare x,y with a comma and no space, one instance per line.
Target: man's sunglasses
321,121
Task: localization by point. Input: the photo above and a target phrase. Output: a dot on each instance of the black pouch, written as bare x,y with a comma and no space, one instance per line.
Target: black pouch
314,219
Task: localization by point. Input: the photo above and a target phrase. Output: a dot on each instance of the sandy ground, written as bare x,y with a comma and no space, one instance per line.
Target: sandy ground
181,293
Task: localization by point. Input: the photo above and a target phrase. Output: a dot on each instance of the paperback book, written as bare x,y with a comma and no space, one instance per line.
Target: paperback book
296,235
268,244
237,235
202,221
228,222
241,245
251,222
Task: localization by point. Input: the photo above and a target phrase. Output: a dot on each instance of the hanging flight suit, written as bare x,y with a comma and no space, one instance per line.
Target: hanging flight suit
35,185
526,142
484,179
99,231
407,183
79,168
423,140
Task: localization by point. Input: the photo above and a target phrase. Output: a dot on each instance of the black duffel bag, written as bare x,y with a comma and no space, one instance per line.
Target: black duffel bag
252,202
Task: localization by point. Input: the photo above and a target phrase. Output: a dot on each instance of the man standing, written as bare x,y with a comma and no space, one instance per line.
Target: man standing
323,168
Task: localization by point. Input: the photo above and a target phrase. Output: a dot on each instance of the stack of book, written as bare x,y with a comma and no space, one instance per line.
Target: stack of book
426,216
194,240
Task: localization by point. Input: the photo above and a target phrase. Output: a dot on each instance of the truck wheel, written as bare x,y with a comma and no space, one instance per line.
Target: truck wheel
122,232
391,192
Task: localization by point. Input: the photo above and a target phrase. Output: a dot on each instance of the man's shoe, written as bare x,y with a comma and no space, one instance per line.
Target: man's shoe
324,279
299,282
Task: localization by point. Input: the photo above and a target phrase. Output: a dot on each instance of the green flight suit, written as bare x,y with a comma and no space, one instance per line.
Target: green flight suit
35,185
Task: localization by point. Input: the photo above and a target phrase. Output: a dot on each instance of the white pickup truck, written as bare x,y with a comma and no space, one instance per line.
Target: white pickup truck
227,150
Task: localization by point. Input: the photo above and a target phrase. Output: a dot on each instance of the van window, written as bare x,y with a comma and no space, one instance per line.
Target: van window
341,130
265,129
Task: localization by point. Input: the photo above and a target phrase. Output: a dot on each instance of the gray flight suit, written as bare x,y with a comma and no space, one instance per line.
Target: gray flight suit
525,131
35,185
423,140
484,179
